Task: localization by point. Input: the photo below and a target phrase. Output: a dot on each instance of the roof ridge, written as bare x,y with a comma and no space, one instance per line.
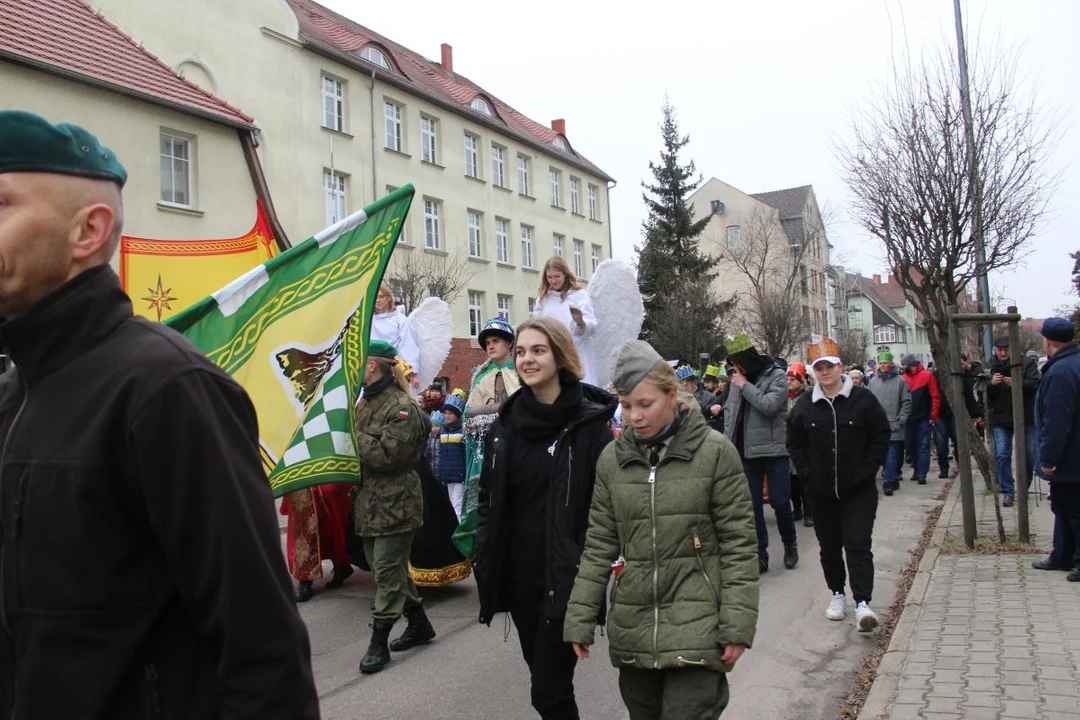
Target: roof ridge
155,59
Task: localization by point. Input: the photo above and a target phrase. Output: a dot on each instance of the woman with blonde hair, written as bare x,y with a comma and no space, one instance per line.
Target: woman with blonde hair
561,297
672,507
389,323
535,489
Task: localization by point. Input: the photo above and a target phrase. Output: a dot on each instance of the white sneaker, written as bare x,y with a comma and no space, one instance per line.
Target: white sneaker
837,607
865,618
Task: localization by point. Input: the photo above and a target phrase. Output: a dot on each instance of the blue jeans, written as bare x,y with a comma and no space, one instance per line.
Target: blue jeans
893,461
917,438
944,434
779,474
1003,450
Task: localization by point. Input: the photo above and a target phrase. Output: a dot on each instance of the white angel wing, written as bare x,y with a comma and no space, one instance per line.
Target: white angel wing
619,312
433,326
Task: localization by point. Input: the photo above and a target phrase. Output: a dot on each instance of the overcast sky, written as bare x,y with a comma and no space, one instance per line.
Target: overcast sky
761,87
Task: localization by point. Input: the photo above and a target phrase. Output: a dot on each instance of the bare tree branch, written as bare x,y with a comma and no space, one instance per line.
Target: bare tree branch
414,275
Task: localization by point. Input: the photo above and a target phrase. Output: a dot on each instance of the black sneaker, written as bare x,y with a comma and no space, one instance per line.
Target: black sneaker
1008,501
921,480
304,591
1074,576
762,564
808,521
887,488
944,475
791,556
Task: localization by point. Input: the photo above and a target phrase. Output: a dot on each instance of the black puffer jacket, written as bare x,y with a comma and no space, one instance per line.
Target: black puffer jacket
577,449
837,446
1000,396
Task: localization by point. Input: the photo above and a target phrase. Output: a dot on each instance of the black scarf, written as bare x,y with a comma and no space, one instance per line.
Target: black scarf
535,420
378,386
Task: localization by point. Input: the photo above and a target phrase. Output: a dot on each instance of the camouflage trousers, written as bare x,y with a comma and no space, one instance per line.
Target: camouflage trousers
388,557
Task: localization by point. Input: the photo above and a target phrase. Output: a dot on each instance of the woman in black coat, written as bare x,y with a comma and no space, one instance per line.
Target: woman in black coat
535,492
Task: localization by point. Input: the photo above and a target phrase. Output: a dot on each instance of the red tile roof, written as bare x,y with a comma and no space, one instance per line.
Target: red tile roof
323,29
68,38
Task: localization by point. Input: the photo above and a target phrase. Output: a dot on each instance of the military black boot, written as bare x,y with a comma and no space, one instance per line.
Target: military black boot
378,654
417,632
305,591
791,555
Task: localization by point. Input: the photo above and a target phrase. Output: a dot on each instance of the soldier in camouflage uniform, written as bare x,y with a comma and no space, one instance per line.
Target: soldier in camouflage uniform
391,433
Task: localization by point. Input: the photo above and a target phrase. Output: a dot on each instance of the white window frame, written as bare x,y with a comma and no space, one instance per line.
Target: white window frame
575,195
594,211
335,197
523,174
502,241
733,237
474,222
172,163
429,139
482,106
532,306
476,312
375,56
472,156
498,165
432,224
579,258
392,115
504,306
596,258
333,93
886,334
558,244
403,236
526,246
555,177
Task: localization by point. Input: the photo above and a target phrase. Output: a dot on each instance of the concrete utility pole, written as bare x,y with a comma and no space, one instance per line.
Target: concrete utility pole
975,186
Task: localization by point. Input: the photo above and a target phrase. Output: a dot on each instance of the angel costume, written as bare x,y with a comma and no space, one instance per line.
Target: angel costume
554,305
396,329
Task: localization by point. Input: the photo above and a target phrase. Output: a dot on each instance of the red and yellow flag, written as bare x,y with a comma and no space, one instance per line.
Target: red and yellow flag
163,277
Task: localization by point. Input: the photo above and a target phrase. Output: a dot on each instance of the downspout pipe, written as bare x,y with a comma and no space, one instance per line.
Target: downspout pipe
607,199
374,175
248,143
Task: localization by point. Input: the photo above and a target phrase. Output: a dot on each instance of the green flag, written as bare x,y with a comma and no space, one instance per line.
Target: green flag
294,332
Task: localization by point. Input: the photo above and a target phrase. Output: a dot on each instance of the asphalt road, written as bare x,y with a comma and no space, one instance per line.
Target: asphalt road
801,664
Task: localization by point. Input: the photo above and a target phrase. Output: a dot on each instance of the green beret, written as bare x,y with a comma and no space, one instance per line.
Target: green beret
29,143
382,349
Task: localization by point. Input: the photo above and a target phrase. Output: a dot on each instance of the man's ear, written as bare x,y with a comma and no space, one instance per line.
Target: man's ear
92,230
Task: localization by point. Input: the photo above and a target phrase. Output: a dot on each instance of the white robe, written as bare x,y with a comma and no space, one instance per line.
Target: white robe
554,306
394,328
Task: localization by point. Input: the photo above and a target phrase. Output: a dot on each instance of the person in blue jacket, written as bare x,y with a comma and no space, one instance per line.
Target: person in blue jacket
1057,422
451,460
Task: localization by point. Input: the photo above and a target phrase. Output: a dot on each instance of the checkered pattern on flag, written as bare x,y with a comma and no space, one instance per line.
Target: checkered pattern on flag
293,332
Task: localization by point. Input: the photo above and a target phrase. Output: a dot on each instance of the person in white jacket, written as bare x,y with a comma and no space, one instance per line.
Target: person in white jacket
390,324
561,297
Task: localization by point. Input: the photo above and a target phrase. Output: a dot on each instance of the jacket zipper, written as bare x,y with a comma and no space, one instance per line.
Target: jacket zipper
836,450
151,683
3,530
701,564
569,475
656,566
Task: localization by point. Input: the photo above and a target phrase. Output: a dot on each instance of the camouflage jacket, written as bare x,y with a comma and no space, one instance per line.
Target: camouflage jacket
390,438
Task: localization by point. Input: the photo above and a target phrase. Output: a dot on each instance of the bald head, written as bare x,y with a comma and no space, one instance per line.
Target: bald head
52,227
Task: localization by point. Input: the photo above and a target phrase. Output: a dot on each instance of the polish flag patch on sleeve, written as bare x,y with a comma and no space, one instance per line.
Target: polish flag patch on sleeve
403,414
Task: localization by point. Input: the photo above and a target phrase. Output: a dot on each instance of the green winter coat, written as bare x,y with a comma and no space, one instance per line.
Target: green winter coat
686,531
390,438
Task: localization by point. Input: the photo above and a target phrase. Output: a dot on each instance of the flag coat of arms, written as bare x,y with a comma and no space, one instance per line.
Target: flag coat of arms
293,332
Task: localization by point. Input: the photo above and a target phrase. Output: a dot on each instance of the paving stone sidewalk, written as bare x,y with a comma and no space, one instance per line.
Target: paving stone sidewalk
983,636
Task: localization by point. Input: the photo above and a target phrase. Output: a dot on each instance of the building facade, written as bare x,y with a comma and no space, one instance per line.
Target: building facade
888,322
348,115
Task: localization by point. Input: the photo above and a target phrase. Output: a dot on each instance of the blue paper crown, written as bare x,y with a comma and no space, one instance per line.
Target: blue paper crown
684,372
454,403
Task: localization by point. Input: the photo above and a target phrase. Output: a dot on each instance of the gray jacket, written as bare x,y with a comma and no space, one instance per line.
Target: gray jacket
893,393
765,420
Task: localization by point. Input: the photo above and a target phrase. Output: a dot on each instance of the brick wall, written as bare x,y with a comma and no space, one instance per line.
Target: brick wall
464,356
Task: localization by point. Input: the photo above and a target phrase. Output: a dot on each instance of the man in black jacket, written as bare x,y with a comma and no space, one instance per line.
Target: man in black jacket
838,436
999,395
141,570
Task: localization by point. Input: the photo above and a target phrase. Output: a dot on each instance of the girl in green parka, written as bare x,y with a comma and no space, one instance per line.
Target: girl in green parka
672,519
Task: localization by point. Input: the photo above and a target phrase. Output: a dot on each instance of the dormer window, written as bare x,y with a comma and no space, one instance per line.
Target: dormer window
559,143
375,56
480,105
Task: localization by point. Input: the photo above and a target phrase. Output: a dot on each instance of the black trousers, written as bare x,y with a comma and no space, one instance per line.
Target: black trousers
674,694
551,661
801,500
1065,504
844,528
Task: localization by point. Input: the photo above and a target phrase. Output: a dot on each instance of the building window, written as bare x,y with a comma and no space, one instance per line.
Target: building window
498,169
594,212
734,237
523,175
176,176
428,139
334,194
333,94
579,253
480,105
392,113
595,258
575,196
526,246
476,312
375,57
557,244
502,240
559,143
556,187
476,238
472,156
803,280
403,236
504,307
532,305
884,334
432,226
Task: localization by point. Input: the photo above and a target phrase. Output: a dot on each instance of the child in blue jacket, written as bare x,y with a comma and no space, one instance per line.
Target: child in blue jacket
450,466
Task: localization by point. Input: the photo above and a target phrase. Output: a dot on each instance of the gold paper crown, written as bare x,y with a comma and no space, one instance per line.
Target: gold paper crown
406,368
738,343
826,347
